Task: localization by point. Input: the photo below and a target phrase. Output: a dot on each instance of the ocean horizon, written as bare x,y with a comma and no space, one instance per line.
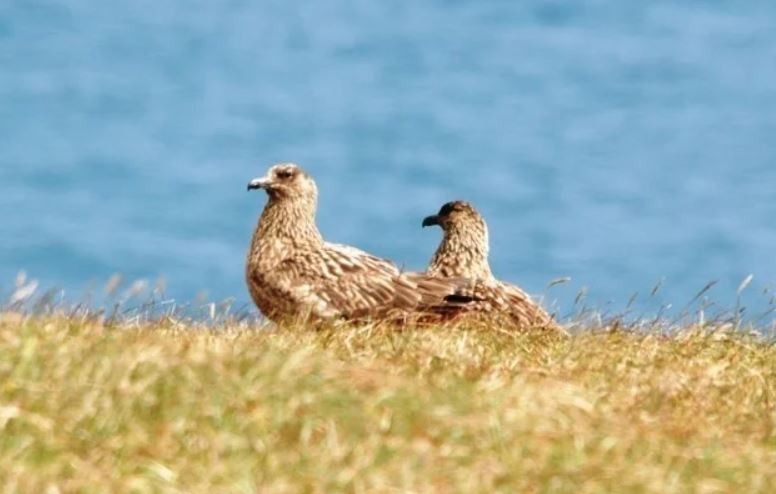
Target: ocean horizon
617,146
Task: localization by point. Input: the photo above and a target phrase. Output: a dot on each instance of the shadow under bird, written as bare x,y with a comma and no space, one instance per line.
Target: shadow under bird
292,272
463,253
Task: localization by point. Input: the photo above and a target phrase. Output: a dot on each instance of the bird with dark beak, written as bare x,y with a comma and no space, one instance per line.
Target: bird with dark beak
464,247
463,253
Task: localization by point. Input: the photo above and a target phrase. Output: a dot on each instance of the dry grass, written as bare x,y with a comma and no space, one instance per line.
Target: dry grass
174,408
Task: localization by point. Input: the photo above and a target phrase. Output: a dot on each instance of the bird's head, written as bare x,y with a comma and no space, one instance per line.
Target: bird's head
454,214
286,181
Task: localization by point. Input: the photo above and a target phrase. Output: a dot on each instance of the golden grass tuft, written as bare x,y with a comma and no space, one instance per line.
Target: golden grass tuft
173,407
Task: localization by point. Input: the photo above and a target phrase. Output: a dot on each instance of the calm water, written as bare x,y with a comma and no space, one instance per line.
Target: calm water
618,143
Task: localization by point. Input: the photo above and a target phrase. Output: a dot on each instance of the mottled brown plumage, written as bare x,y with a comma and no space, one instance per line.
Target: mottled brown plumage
463,253
293,273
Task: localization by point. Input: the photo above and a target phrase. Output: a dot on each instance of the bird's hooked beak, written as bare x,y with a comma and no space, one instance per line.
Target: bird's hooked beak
259,183
430,220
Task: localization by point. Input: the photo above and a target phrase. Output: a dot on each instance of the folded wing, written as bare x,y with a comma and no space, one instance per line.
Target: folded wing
344,282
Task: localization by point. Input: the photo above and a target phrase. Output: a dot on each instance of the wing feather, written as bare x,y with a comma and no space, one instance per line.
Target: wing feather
495,298
342,281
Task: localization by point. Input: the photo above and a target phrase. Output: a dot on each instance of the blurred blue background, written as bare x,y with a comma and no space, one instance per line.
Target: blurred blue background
616,143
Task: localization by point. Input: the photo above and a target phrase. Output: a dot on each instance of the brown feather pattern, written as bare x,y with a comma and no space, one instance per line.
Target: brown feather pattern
292,272
463,253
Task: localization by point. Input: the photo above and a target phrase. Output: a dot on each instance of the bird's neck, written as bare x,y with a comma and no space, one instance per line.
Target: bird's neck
463,252
285,227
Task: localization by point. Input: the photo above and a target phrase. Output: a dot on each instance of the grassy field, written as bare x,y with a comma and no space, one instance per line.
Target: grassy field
170,407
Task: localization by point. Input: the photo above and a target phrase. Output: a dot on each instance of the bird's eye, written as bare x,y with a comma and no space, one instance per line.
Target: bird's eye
284,174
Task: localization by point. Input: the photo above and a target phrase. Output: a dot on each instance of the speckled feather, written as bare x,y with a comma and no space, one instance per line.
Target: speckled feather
463,253
292,272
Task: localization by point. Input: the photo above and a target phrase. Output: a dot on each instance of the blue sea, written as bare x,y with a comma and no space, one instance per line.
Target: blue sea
620,144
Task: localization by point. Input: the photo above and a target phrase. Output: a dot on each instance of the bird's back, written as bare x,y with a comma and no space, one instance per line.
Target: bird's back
342,282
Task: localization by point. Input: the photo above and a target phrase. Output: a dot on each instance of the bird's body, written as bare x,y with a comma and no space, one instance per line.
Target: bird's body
463,252
293,273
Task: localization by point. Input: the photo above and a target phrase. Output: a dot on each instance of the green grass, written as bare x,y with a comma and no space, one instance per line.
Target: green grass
167,407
